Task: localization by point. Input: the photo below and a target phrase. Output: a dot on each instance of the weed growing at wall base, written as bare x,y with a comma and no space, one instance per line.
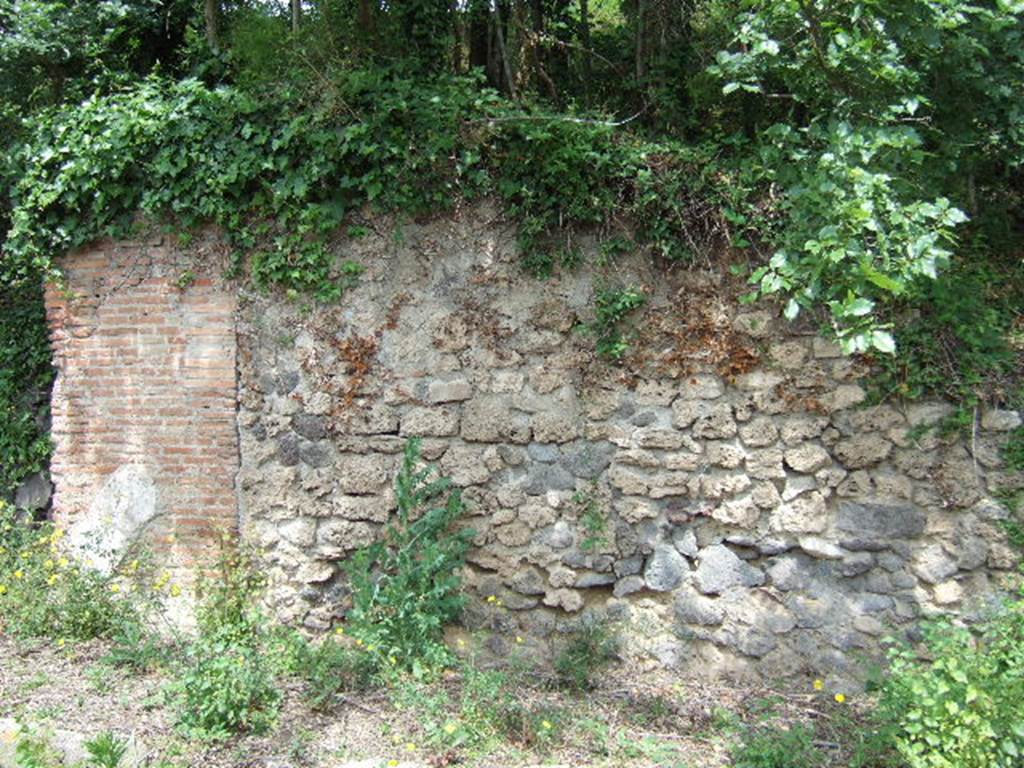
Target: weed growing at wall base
45,592
406,586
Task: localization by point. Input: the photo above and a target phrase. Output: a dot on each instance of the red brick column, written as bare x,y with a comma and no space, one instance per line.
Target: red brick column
145,352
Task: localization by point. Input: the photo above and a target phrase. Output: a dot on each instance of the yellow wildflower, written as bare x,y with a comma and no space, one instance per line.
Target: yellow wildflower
491,598
61,643
840,697
519,640
48,564
63,562
3,589
115,588
819,685
339,631
52,580
449,728
18,574
175,590
392,763
545,724
410,747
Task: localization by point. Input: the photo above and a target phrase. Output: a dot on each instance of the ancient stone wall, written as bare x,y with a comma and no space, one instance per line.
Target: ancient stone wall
145,441
726,491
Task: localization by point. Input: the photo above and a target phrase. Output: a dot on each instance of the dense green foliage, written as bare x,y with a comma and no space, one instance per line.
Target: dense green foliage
861,159
227,681
25,377
963,707
405,586
43,593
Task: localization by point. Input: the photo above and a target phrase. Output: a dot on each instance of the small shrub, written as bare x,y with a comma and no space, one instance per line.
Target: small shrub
329,668
227,684
105,750
590,650
34,749
778,748
613,305
226,688
962,708
46,593
406,586
1013,451
592,518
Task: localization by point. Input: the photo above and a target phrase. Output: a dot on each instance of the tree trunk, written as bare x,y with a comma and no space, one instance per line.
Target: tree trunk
585,40
502,50
366,20
211,11
296,15
641,31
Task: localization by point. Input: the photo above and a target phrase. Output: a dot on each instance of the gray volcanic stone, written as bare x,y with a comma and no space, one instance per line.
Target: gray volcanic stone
628,586
288,450
665,569
629,566
541,478
720,569
34,493
592,579
543,452
316,455
933,564
696,609
587,460
880,522
309,426
287,382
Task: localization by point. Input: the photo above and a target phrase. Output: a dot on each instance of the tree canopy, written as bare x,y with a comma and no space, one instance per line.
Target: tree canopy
862,158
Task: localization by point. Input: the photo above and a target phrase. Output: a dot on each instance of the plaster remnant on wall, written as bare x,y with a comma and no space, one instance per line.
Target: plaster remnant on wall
119,513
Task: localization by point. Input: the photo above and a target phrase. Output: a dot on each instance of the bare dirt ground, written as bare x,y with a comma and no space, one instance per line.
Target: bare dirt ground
631,719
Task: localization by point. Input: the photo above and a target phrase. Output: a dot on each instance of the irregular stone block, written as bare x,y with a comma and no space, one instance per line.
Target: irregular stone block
363,474
587,460
807,458
567,599
759,432
665,569
1000,420
880,521
430,422
863,450
720,569
701,386
452,391
933,564
309,426
805,514
692,608
490,419
717,424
